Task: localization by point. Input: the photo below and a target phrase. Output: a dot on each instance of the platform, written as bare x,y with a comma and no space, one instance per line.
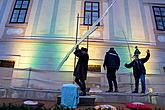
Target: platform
83,100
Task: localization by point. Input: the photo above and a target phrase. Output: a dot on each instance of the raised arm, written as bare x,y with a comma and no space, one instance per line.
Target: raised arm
77,52
147,57
130,65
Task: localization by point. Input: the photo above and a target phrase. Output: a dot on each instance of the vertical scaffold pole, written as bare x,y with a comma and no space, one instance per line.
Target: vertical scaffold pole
91,30
130,56
76,37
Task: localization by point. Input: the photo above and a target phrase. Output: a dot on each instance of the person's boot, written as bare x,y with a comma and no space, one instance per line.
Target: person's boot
109,91
142,92
83,93
135,92
116,90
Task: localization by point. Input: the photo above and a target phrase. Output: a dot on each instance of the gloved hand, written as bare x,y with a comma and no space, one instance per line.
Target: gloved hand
125,64
148,51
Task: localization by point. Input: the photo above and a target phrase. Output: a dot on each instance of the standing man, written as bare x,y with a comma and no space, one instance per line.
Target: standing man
112,63
80,71
139,70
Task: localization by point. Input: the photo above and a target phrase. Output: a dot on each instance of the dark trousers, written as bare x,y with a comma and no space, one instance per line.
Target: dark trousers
142,78
111,76
81,84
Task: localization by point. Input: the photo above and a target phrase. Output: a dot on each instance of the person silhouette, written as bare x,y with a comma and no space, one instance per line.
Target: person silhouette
139,70
80,71
112,64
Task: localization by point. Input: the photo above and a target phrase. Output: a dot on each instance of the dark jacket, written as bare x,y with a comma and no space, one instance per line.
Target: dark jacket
82,65
138,66
112,59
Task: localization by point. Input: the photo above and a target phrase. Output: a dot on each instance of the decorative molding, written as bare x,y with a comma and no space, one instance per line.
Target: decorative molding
159,2
14,31
161,38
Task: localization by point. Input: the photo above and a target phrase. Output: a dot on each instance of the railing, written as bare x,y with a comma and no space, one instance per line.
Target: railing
24,93
46,85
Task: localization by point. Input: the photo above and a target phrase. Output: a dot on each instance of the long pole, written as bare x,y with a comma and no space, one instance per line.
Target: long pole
129,50
93,28
130,56
76,37
88,36
29,75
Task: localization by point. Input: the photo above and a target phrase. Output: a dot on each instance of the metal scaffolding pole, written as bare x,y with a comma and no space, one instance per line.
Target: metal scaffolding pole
91,30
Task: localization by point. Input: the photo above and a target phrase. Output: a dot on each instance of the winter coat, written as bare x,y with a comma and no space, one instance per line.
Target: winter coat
138,66
112,60
82,65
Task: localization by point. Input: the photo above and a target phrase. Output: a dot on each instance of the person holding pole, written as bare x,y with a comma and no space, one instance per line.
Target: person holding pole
112,64
139,70
80,71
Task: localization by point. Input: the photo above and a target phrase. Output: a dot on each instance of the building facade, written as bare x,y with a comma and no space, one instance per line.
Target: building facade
38,34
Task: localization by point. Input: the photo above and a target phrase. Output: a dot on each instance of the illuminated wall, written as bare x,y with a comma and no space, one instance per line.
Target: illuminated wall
50,32
52,18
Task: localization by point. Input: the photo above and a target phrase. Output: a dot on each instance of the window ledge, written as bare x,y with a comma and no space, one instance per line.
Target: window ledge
16,25
157,32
